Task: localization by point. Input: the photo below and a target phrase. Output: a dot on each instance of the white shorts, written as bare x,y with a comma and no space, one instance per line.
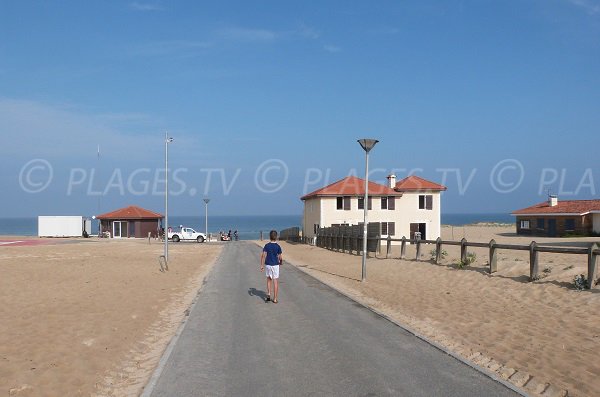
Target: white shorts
272,271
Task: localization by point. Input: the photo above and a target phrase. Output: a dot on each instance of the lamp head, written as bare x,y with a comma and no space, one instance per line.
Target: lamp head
169,140
367,144
206,200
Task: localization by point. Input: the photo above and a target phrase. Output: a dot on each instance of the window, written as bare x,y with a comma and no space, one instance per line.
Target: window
391,228
388,228
343,203
391,203
524,224
361,203
569,225
384,203
425,202
540,223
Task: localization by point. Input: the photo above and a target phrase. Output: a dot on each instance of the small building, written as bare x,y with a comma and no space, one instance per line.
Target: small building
64,226
404,208
132,221
554,218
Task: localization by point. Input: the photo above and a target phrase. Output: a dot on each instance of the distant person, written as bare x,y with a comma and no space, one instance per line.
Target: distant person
271,257
235,236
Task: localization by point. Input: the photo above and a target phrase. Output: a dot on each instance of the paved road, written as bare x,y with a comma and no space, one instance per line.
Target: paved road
314,342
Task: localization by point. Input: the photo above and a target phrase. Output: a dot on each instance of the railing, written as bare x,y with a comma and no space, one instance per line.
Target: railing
350,244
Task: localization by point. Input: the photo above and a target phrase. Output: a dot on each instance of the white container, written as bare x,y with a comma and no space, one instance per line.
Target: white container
62,226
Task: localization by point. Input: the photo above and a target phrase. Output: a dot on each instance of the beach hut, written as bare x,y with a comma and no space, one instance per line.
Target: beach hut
132,221
554,218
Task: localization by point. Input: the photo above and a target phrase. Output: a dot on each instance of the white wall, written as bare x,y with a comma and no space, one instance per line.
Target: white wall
407,211
60,226
312,216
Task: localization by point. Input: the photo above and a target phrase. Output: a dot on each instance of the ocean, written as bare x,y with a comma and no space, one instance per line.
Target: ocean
248,227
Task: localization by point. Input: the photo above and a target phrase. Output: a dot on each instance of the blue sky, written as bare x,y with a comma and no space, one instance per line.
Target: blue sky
499,100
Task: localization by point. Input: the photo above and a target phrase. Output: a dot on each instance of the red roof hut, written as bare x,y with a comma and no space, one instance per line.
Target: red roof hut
132,221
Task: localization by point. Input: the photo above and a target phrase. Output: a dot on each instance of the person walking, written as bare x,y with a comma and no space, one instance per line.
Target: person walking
271,259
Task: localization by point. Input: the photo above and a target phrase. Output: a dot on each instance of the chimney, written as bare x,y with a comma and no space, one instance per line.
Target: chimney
552,200
391,181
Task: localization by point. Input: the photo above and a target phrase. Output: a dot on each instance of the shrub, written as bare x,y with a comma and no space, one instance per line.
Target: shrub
580,282
433,254
470,258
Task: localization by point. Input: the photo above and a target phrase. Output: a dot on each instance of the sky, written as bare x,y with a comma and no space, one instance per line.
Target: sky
265,100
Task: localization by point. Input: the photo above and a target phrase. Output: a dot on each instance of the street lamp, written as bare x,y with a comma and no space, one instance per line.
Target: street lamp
206,200
367,145
167,141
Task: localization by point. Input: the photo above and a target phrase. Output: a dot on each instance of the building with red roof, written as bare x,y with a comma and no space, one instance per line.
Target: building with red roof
409,206
554,218
132,221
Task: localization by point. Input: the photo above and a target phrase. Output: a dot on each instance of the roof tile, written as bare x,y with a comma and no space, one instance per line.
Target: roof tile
415,183
352,186
131,212
578,207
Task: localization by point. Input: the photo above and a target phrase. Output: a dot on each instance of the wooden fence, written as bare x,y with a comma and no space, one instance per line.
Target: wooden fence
353,243
290,234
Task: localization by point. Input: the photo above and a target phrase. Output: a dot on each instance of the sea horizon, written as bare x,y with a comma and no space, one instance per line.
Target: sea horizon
248,226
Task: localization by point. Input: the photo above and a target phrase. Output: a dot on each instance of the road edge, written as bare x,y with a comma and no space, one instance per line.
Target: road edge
411,331
151,384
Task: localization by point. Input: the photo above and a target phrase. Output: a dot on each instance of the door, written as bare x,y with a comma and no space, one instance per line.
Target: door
119,229
420,228
414,227
423,230
551,227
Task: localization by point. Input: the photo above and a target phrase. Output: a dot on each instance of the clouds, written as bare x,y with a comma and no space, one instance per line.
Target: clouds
249,35
332,48
137,6
590,6
184,48
64,132
228,35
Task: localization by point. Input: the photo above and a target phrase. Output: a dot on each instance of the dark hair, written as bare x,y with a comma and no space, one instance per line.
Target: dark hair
273,235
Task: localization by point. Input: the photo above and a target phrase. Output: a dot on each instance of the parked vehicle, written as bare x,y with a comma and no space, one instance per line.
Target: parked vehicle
186,234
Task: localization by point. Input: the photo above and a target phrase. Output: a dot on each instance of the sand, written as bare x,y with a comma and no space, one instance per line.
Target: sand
543,336
91,317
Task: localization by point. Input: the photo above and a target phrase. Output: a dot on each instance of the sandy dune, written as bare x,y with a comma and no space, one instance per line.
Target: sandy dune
544,336
91,317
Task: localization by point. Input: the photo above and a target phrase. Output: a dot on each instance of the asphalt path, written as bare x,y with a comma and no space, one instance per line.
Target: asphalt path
314,342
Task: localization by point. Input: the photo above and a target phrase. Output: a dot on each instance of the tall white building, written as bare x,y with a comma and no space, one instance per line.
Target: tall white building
403,208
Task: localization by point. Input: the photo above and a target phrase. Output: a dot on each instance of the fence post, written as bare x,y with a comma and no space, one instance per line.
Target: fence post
438,250
388,247
463,250
418,250
403,248
592,265
493,257
533,262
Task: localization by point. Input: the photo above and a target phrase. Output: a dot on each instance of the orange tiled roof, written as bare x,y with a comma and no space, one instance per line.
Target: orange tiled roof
131,212
352,186
579,207
415,183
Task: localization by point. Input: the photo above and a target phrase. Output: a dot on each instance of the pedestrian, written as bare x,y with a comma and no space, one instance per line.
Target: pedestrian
271,259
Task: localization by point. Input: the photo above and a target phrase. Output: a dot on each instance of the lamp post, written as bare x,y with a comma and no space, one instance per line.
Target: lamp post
367,145
206,200
167,141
